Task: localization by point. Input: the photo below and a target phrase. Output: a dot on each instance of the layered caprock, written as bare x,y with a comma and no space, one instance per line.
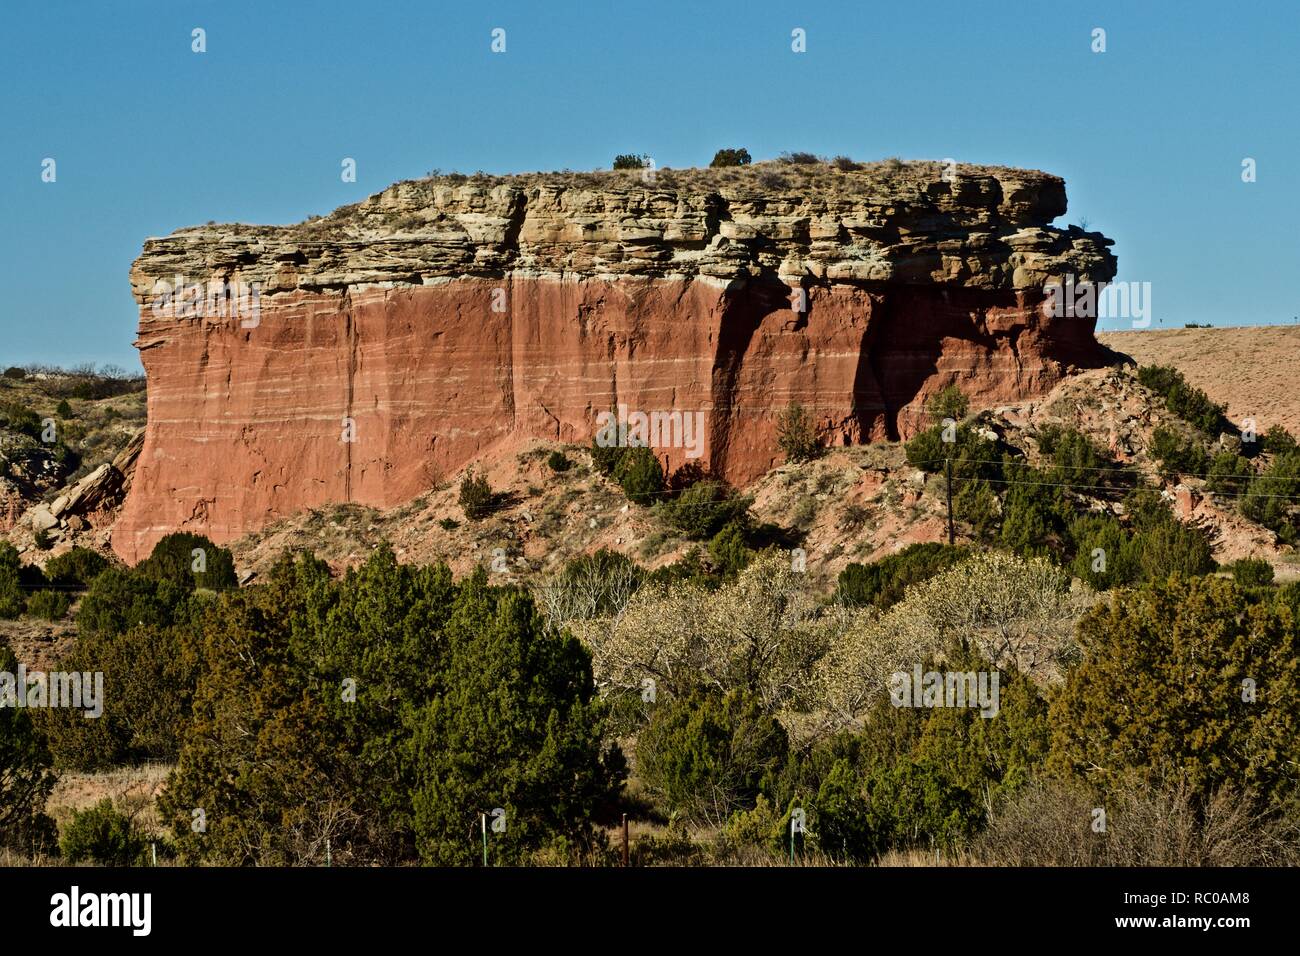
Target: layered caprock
359,357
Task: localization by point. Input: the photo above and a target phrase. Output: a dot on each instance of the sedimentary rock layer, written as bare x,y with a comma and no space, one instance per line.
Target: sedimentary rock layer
398,339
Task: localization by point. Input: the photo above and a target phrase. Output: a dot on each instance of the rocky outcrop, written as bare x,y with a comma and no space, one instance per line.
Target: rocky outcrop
89,504
400,338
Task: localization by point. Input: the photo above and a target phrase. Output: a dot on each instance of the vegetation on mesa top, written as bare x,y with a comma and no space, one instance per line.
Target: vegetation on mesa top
728,158
729,165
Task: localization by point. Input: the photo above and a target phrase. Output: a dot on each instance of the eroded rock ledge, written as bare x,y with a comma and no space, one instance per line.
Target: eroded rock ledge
987,228
448,318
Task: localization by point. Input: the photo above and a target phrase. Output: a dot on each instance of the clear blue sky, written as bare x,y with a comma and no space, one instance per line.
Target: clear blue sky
149,137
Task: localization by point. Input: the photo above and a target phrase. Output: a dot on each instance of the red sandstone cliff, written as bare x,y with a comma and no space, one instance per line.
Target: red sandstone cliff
442,319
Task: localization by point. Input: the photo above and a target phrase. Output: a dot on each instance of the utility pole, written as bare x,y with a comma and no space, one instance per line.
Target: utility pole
947,466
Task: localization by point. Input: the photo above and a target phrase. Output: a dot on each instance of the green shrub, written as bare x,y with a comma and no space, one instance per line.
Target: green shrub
882,583
1251,572
630,161
1185,679
606,454
1186,401
975,504
703,509
1105,556
448,524
25,776
119,598
731,157
476,496
640,476
1279,441
558,462
19,419
190,560
800,159
707,756
1230,474
728,551
949,402
1288,596
1035,513
689,569
43,540
547,764
1168,546
761,826
1177,456
11,592
77,567
1155,546
920,776
150,673
1271,498
796,434
1077,462
973,455
104,836
16,373
1161,379
844,826
51,605
64,410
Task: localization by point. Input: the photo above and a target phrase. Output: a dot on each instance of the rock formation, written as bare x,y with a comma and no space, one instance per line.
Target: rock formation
88,505
398,339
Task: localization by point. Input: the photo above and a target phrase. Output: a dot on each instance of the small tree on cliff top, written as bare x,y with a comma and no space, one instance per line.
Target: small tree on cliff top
731,157
630,161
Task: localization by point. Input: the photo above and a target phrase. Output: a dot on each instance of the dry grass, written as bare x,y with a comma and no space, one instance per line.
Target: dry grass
39,644
1057,825
133,790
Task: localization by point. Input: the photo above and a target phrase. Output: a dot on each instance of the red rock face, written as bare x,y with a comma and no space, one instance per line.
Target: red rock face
246,425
